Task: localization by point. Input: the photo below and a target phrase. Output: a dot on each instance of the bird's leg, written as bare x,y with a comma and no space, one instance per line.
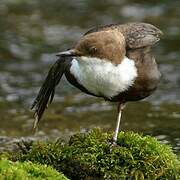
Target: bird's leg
120,108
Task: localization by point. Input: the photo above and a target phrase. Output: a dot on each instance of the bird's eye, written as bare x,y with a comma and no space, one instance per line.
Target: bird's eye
93,49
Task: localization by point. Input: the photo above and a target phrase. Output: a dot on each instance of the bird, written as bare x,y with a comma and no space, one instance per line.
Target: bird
114,62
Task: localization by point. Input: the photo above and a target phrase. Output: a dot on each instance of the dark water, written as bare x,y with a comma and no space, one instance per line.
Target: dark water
31,32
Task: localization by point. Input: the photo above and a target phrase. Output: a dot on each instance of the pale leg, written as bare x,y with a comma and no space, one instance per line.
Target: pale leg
120,108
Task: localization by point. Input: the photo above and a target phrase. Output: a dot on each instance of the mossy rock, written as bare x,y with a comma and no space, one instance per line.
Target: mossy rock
91,156
27,171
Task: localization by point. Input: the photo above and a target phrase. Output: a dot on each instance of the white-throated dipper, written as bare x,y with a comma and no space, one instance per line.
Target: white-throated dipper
114,62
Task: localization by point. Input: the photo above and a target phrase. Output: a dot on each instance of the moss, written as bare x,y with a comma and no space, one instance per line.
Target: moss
27,171
91,156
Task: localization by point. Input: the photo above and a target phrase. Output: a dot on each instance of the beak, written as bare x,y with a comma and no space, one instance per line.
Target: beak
71,52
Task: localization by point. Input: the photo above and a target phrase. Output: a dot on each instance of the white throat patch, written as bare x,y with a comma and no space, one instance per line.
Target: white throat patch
102,77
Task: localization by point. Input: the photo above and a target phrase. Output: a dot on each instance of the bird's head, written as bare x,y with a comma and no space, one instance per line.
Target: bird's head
108,45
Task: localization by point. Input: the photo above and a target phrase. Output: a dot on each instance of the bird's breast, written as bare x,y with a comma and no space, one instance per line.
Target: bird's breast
101,77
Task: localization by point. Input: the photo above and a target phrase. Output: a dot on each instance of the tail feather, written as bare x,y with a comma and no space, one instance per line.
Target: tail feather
47,91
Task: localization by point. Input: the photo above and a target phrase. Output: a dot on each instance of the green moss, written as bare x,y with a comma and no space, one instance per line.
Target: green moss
27,171
91,156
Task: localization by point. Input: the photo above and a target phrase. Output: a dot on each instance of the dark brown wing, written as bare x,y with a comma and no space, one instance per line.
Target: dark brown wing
137,35
46,93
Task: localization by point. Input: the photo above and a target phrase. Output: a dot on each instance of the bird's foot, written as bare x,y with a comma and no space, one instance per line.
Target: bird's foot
113,144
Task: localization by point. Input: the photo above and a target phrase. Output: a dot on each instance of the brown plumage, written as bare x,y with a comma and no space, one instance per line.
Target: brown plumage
137,35
109,44
96,45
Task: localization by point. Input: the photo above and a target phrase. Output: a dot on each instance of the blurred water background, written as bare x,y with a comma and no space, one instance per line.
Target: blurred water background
31,32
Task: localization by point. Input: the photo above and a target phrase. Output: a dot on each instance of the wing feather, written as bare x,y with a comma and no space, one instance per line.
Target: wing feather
137,35
47,91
